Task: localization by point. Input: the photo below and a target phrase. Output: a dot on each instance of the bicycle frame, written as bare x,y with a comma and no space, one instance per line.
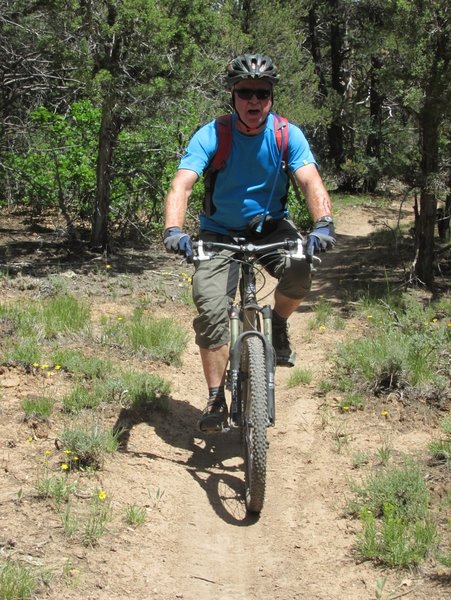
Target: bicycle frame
244,322
244,316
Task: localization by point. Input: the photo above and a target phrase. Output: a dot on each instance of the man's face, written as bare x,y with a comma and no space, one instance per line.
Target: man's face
252,110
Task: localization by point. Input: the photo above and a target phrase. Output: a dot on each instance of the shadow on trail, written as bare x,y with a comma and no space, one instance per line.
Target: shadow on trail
215,461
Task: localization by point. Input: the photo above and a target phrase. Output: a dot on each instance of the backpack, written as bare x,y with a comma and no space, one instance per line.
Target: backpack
223,126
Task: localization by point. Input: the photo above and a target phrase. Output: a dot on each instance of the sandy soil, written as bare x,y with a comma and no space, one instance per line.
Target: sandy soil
197,542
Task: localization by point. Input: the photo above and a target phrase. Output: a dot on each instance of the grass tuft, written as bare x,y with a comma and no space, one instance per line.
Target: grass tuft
393,508
90,444
39,407
17,581
161,339
299,376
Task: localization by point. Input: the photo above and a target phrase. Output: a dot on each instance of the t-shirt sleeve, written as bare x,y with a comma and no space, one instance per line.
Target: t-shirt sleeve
200,150
299,153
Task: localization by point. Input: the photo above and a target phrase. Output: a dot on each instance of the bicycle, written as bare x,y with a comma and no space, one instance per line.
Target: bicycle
250,376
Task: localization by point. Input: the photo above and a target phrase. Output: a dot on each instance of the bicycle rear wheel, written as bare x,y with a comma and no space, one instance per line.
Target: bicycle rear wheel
255,421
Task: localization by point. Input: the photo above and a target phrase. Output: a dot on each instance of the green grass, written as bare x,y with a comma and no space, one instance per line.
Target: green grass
23,350
39,407
299,376
89,443
325,317
83,397
48,318
393,541
441,449
351,401
360,458
99,516
35,322
63,314
404,347
129,389
56,487
69,520
17,581
79,364
135,516
393,508
161,339
143,390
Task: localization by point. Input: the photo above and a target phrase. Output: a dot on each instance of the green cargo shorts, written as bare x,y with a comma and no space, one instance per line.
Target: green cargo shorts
215,283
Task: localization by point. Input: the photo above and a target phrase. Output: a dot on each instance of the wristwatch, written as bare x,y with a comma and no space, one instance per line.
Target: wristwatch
327,219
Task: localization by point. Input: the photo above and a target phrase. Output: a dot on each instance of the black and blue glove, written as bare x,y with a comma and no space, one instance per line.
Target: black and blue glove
176,240
321,238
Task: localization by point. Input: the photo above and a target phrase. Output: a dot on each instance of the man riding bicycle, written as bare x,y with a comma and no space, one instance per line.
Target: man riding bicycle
248,200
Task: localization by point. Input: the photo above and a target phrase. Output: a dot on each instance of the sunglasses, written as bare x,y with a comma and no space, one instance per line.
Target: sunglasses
247,93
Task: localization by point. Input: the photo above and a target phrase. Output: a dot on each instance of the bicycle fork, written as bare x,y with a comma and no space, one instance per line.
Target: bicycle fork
236,349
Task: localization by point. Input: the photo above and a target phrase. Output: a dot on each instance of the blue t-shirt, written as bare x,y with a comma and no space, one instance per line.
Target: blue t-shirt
243,186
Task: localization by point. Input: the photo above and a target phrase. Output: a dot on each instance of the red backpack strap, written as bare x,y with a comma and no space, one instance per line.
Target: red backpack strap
224,131
223,126
281,125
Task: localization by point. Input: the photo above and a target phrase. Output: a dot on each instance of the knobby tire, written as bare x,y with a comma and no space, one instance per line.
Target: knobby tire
255,420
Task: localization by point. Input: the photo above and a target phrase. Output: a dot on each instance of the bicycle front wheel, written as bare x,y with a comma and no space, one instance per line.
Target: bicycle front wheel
255,421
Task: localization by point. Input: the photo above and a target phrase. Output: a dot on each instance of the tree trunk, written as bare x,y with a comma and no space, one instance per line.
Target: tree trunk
109,130
315,51
335,132
425,225
431,117
374,140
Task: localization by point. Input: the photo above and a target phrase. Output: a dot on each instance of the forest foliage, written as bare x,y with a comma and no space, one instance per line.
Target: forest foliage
98,99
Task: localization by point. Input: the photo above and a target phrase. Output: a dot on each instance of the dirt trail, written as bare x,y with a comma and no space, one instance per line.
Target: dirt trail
300,547
198,543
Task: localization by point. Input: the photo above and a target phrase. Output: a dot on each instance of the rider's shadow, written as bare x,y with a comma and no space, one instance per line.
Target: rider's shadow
215,461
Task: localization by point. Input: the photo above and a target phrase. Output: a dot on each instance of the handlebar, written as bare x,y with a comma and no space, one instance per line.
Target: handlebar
205,250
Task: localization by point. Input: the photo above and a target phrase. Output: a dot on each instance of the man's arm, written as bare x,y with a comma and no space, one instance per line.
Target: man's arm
177,198
322,237
316,195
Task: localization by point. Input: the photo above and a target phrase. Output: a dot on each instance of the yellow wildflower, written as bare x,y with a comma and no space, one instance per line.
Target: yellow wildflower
384,413
44,366
322,327
47,453
35,365
345,408
57,367
68,452
64,467
102,495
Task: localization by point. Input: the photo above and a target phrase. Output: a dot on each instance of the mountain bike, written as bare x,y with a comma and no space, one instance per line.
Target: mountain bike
250,376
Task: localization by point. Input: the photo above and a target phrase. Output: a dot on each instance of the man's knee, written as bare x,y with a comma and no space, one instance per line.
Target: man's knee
296,279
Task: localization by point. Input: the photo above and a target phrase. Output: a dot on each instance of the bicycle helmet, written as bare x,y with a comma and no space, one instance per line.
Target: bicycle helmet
252,66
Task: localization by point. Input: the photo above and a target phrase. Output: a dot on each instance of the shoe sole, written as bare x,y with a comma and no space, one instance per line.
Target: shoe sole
212,424
286,362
